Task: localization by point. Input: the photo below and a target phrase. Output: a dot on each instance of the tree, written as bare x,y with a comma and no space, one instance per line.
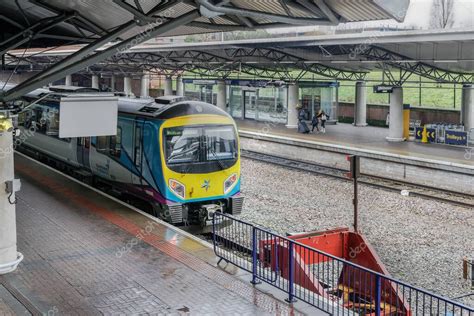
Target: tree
442,14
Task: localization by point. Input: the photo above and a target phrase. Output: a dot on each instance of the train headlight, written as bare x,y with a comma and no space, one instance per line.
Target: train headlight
177,188
229,183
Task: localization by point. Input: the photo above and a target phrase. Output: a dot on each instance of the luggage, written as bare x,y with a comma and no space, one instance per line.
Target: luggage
303,127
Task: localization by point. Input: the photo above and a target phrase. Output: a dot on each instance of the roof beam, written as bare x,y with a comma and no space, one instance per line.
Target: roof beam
70,68
32,31
399,61
327,11
261,15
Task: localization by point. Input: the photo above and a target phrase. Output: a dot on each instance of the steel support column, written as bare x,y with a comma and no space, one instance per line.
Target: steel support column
360,106
467,108
221,95
145,86
395,133
127,86
168,86
68,81
293,100
9,257
95,81
179,86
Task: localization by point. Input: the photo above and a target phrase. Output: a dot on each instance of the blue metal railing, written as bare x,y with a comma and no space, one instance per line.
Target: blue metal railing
332,284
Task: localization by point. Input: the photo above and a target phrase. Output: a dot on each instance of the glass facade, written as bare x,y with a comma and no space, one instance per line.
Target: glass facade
260,104
235,101
255,100
315,98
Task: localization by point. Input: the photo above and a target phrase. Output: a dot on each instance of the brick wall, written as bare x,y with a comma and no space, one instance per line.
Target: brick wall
377,114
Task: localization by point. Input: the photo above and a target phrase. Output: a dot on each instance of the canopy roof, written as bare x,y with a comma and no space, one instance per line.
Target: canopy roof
126,23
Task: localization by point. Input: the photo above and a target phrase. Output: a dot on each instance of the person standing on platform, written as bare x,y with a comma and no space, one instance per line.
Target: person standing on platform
323,117
315,123
302,127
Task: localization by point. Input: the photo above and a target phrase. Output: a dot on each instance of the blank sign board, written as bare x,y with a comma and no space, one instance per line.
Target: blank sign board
88,115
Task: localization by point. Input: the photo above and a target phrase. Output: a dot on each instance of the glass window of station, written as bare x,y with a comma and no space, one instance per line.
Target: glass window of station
265,100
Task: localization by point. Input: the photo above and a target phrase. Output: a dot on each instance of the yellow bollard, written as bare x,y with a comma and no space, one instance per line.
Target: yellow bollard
424,135
406,121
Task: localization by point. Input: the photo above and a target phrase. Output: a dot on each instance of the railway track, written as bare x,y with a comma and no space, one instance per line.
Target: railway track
456,198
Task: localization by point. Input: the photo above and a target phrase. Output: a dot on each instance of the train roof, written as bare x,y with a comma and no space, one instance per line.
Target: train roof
146,107
149,108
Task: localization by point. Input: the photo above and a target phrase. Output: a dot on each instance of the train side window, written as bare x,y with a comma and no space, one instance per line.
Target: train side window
115,145
101,143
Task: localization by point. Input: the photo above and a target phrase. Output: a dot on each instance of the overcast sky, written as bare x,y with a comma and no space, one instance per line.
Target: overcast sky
419,13
418,16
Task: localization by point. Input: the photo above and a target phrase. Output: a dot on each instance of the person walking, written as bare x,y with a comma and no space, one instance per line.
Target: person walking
323,117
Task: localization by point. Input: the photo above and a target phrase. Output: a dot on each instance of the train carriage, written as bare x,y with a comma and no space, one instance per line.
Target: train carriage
180,161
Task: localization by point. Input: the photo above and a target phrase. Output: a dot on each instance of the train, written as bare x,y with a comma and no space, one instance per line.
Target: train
175,158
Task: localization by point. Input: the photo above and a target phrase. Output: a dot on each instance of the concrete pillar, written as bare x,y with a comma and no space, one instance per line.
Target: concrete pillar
68,80
179,86
395,133
221,101
168,86
467,107
293,100
360,108
9,257
95,81
145,86
127,85
112,83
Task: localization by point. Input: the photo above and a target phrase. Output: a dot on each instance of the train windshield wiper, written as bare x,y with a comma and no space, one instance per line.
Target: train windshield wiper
216,158
192,148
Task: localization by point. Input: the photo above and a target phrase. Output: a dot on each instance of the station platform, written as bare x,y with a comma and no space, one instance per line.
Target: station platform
369,139
88,254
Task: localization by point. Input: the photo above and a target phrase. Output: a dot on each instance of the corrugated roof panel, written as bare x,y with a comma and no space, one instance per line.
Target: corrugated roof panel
177,10
302,12
358,10
104,13
265,6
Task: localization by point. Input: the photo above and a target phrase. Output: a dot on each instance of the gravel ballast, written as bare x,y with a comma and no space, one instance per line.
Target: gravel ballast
420,241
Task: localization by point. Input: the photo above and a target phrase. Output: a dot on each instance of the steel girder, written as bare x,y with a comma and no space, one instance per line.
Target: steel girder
387,59
271,64
274,63
34,31
71,67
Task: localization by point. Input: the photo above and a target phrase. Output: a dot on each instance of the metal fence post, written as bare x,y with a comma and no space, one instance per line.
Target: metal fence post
291,274
254,256
378,294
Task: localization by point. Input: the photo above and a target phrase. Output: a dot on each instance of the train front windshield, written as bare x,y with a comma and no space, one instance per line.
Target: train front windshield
200,149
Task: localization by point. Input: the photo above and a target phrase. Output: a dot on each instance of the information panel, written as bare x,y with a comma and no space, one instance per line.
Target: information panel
86,115
455,138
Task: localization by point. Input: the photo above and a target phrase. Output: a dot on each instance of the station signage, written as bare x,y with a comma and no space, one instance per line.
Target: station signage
383,88
455,138
430,134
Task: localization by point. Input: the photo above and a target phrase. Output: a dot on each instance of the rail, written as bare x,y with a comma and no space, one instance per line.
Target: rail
327,282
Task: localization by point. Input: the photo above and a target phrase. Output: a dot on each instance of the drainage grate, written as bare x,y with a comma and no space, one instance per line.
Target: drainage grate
16,301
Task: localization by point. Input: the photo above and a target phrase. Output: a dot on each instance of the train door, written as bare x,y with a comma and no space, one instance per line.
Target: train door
83,150
138,152
250,104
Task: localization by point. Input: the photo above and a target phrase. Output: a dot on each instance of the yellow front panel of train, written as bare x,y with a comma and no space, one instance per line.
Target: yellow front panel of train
200,185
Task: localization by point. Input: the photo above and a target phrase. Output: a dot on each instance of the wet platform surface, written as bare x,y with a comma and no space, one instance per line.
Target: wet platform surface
367,138
86,254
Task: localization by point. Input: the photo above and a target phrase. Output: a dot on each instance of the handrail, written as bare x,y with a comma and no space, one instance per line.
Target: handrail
378,277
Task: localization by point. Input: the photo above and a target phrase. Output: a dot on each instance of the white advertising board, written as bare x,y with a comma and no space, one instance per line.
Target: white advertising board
88,115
